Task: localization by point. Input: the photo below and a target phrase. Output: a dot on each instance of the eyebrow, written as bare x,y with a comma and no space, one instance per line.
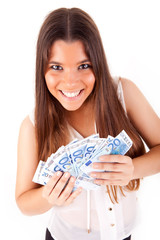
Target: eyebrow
83,61
58,63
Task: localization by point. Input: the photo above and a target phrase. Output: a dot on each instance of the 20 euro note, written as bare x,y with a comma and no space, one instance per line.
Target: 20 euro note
53,156
63,161
46,174
45,170
85,181
43,174
81,150
118,145
99,150
71,154
36,177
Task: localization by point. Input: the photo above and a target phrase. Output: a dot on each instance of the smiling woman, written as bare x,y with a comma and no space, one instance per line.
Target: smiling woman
69,76
76,96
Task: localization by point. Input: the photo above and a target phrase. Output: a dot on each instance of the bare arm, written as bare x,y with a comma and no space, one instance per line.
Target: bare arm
147,123
32,198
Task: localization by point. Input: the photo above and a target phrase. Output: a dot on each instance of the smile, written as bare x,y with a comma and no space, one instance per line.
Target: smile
71,94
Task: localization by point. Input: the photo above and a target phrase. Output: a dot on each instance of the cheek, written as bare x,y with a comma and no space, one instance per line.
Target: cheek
50,81
90,80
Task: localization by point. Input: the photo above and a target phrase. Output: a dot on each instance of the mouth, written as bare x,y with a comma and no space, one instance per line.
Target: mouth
71,95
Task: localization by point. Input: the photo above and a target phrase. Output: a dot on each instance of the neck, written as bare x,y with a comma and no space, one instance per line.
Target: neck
82,120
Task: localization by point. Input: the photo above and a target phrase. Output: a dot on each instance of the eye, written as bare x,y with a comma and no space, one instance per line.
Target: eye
84,66
56,67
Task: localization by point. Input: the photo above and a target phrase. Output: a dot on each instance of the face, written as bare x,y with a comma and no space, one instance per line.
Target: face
69,76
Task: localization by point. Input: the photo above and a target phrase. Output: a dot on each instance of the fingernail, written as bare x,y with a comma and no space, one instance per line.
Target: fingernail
66,175
96,182
72,179
95,165
93,174
58,173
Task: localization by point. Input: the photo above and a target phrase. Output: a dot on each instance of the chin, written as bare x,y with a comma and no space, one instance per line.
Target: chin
71,107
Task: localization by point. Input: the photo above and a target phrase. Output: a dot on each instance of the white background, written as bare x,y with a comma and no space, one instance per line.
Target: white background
130,31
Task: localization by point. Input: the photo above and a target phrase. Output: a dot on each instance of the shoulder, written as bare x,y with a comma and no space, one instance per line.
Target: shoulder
140,112
27,129
27,124
124,84
132,94
127,84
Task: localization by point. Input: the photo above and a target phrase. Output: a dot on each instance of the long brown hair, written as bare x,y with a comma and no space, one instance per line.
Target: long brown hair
50,124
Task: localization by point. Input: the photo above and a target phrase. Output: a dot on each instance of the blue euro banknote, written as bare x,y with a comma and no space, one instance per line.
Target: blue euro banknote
77,158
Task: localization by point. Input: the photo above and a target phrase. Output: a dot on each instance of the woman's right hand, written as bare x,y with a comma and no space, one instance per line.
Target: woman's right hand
58,190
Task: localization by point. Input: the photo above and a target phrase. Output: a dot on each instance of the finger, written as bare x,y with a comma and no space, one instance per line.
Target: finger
73,196
107,175
59,186
114,158
113,163
110,182
67,190
112,178
51,184
120,182
114,167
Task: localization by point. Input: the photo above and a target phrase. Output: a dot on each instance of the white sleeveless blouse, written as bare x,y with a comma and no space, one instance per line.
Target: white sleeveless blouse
94,209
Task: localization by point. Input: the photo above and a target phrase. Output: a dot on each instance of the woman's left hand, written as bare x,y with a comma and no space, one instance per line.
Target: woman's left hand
116,170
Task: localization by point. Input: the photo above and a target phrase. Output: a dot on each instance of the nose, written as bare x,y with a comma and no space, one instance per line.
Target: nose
70,78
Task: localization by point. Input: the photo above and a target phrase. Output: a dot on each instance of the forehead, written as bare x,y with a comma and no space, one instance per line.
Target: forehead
63,50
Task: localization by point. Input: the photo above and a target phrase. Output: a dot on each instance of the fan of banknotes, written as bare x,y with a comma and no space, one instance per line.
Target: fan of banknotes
77,158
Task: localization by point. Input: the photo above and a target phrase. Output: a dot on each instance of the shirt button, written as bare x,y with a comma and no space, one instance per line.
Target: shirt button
112,224
110,209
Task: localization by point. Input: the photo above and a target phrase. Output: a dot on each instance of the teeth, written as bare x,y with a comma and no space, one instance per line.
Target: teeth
71,94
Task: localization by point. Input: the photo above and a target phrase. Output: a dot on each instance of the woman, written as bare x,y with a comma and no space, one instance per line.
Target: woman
76,97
